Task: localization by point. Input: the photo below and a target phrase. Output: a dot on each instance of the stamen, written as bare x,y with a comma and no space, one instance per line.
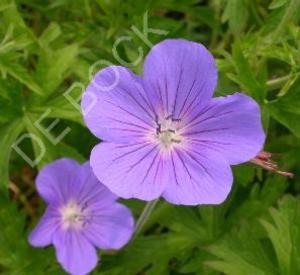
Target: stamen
167,132
72,215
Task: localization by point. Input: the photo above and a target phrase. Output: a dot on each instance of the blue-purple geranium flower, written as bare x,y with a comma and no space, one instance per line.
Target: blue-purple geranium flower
163,133
82,214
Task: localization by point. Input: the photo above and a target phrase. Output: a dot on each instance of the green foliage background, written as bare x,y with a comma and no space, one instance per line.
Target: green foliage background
46,46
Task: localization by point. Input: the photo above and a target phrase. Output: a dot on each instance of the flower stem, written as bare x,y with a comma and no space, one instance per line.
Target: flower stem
144,216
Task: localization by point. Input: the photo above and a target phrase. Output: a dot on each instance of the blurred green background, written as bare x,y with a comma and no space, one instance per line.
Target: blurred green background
48,48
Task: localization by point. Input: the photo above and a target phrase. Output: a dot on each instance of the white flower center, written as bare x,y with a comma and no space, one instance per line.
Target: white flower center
72,215
167,133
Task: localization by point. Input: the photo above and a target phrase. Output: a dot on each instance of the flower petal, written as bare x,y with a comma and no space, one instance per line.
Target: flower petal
42,234
57,181
74,252
179,75
198,177
130,170
112,228
230,125
91,190
115,106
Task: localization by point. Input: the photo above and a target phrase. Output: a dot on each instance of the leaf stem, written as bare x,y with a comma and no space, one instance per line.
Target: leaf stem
144,216
277,83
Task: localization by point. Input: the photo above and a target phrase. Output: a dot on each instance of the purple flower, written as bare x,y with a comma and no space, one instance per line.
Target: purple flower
82,214
163,133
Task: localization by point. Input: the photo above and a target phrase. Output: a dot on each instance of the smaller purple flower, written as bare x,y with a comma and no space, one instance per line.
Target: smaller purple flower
82,214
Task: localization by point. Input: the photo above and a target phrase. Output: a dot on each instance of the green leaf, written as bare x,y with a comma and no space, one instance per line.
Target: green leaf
197,264
19,72
258,199
284,233
16,256
289,120
290,101
243,174
205,15
236,13
286,109
275,4
8,132
147,253
49,34
47,146
241,253
189,222
244,251
53,67
290,13
11,102
63,107
245,75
